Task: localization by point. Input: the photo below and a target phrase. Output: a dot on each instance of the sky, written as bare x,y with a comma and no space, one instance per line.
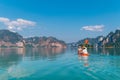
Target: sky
68,20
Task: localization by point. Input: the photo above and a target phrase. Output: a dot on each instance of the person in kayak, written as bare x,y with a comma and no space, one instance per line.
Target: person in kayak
84,50
80,50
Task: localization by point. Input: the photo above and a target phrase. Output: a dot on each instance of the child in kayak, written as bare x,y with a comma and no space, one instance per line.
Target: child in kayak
80,50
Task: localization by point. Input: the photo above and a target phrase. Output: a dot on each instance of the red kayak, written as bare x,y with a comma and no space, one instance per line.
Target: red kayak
83,54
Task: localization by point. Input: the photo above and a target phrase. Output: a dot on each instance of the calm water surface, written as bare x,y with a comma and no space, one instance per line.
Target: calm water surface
58,64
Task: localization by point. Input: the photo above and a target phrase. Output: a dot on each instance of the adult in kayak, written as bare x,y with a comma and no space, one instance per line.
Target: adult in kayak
83,51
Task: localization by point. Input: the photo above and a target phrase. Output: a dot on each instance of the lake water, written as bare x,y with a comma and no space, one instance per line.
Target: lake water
59,64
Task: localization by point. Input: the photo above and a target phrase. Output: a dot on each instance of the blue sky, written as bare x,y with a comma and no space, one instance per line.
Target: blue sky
68,20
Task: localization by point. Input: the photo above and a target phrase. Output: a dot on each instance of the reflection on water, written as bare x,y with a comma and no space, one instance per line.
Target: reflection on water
84,60
43,53
58,64
10,56
17,62
100,51
105,51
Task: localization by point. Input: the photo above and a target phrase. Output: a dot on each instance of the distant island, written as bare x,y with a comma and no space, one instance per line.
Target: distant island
112,40
13,39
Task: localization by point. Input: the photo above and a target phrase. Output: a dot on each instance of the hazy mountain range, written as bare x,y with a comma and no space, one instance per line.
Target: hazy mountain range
111,40
13,39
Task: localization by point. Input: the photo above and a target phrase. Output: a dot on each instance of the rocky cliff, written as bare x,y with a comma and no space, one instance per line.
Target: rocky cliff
8,39
92,41
111,40
44,42
8,36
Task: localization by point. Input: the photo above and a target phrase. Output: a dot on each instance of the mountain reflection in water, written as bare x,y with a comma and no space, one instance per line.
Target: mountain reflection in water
58,64
10,56
105,51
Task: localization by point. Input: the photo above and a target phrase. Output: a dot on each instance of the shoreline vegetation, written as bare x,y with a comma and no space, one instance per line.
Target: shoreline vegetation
112,40
13,39
48,47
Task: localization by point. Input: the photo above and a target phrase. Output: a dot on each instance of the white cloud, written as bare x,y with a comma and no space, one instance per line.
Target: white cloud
4,20
93,28
18,24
